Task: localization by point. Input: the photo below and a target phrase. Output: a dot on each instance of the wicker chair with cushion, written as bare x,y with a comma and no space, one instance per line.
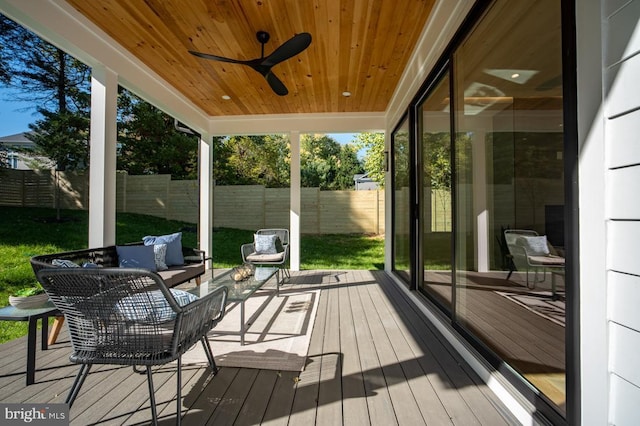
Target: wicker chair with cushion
270,247
128,316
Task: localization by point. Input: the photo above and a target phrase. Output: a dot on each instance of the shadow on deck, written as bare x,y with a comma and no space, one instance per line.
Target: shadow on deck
373,359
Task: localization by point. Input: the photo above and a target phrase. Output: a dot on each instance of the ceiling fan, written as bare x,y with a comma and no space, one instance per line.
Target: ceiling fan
289,48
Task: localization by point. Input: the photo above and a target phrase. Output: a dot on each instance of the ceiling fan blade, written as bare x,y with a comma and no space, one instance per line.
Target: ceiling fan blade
289,48
275,83
218,58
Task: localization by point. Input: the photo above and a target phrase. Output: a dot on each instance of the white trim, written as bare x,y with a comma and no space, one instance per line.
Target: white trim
443,23
303,123
592,160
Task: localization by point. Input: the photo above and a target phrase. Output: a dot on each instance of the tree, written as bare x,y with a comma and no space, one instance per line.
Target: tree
266,160
63,137
150,144
41,73
11,34
59,85
374,160
437,164
327,165
223,172
348,165
252,160
275,169
4,159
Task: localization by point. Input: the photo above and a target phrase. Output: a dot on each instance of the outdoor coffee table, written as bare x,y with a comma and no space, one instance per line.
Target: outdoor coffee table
10,313
240,291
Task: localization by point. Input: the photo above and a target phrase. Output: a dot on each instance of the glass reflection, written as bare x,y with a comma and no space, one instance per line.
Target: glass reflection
510,190
434,122
401,201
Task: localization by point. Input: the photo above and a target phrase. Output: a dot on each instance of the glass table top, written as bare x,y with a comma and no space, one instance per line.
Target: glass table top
238,290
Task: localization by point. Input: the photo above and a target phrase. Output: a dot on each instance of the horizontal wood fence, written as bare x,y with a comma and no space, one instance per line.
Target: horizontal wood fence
242,207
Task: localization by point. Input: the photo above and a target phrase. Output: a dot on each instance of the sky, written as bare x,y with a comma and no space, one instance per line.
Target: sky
13,118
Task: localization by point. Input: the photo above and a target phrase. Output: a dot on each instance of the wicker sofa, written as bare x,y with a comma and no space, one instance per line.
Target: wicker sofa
193,268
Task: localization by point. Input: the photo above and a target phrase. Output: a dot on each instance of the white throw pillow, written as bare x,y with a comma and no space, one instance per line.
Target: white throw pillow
160,253
265,244
535,245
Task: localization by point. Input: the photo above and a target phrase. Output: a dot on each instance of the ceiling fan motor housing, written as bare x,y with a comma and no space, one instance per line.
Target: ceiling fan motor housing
262,37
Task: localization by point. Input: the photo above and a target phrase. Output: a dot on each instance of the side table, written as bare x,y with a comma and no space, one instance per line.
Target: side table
10,313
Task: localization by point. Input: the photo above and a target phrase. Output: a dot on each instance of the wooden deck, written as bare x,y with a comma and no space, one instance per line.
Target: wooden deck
373,359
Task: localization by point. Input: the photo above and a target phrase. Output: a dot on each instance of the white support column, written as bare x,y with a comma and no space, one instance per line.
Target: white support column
102,175
205,177
294,244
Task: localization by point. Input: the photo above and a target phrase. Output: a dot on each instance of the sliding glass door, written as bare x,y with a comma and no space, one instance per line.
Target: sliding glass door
479,194
434,150
510,289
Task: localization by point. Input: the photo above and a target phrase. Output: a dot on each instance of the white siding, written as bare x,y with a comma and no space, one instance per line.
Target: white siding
625,398
621,44
623,148
624,300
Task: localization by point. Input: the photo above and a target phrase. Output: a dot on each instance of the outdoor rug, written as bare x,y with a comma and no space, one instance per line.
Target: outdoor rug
540,303
277,339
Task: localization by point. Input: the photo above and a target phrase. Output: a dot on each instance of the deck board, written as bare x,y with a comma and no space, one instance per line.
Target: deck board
418,380
378,398
381,324
330,385
455,385
354,403
373,359
205,397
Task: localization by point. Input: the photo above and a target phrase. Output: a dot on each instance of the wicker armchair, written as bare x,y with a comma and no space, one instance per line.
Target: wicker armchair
129,317
279,258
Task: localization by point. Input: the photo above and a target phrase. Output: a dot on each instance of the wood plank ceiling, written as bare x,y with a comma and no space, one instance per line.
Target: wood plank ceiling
359,46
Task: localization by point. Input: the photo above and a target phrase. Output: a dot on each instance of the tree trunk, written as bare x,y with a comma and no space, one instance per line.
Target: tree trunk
62,99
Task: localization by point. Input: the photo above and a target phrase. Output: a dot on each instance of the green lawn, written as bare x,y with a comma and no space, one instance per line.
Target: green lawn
26,232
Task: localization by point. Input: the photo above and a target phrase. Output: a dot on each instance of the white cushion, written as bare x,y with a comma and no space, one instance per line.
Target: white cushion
152,306
547,260
258,258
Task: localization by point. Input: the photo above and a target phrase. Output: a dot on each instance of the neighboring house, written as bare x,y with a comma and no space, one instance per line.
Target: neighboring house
365,183
14,146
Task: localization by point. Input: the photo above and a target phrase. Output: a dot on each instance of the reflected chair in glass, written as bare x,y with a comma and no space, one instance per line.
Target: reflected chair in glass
524,258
